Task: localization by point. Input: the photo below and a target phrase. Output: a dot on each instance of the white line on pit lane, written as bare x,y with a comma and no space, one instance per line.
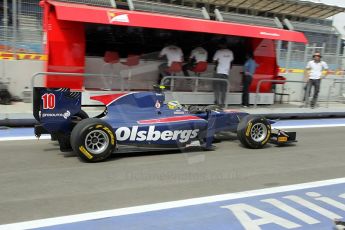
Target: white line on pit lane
23,138
166,205
307,126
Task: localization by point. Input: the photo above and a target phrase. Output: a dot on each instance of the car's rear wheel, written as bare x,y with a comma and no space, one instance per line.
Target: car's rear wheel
93,140
254,132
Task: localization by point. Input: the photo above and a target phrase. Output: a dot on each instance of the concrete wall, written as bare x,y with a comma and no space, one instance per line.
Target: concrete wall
18,74
296,90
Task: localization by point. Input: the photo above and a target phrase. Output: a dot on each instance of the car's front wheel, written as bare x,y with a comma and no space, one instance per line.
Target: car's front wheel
254,132
93,140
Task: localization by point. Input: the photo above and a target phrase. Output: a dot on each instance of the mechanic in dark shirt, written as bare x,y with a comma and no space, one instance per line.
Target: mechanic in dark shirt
223,59
248,72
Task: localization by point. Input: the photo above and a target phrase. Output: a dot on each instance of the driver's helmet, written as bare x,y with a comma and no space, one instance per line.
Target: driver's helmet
174,105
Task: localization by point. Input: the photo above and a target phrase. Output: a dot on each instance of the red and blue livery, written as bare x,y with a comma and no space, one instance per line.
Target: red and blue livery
141,120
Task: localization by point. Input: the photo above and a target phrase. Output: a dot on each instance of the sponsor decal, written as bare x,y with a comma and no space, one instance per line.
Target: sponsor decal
65,115
85,152
268,136
133,134
282,139
110,134
248,129
112,138
270,34
331,72
312,205
115,17
22,56
297,210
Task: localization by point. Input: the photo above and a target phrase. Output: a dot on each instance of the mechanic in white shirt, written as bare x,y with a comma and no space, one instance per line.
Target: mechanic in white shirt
197,55
173,53
223,58
313,75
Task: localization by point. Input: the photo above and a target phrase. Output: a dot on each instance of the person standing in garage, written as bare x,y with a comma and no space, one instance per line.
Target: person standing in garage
248,72
223,59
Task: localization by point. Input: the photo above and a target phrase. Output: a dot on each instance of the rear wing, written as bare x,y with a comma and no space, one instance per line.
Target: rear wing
55,105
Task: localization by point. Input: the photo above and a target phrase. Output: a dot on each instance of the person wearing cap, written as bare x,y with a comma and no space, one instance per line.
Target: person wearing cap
223,59
315,71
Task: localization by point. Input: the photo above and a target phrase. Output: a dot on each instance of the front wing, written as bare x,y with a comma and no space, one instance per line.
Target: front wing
280,137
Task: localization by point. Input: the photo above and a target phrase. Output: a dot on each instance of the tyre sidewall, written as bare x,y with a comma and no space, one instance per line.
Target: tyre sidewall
244,131
82,130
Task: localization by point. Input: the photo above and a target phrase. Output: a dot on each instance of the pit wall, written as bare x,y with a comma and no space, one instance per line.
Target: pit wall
144,75
18,73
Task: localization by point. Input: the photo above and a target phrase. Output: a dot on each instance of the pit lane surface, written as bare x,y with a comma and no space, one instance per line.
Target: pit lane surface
37,181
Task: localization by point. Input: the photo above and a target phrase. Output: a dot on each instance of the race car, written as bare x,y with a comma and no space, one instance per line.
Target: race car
142,120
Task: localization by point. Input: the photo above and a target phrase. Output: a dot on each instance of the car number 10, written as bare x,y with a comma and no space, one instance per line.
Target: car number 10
48,101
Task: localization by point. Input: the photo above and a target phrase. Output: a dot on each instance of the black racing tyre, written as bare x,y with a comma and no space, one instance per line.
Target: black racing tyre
93,140
254,132
53,137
